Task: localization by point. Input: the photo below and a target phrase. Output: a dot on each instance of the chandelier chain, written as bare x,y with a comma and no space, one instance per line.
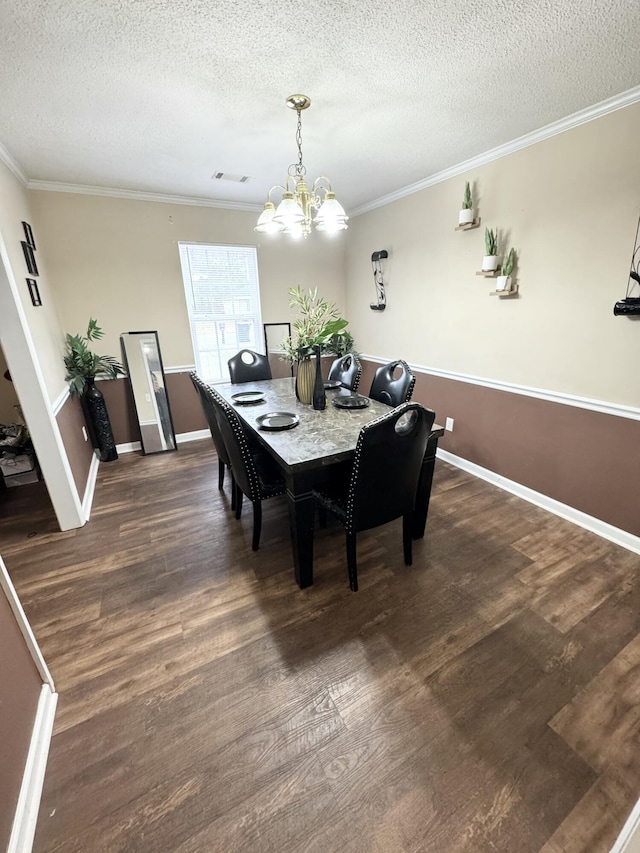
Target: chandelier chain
300,168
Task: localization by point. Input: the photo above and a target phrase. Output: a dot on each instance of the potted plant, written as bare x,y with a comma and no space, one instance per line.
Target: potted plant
83,366
490,260
465,216
318,329
503,281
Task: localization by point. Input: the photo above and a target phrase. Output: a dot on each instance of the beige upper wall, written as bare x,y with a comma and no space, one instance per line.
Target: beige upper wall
569,205
117,260
44,322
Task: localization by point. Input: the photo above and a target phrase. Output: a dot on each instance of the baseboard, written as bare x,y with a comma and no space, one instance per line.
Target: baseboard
181,438
595,525
90,488
26,816
196,435
629,839
128,447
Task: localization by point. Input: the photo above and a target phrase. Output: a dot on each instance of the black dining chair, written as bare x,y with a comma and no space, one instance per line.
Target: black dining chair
249,366
383,480
346,370
390,389
256,475
223,457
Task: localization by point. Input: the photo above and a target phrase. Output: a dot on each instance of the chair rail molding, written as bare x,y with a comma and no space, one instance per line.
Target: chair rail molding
617,409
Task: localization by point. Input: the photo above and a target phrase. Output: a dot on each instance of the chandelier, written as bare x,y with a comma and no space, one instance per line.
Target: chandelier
294,214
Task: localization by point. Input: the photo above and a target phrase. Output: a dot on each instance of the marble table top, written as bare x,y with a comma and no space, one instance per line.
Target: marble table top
321,438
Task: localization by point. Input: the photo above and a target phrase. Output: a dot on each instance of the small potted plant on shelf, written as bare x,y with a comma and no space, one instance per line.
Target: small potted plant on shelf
503,282
490,260
465,216
317,326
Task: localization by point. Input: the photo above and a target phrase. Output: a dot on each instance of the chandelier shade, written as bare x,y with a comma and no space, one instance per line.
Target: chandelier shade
294,215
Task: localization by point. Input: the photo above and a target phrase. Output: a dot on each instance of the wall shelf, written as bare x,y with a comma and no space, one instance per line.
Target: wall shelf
489,273
468,225
512,292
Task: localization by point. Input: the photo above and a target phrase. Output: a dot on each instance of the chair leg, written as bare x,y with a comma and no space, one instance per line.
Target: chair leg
407,539
257,524
351,561
233,491
239,497
221,467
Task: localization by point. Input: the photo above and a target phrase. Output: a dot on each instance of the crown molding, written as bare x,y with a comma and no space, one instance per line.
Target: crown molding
618,102
135,195
13,167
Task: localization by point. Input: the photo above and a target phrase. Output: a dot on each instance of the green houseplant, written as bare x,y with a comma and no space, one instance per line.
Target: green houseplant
318,329
465,217
503,281
490,260
83,366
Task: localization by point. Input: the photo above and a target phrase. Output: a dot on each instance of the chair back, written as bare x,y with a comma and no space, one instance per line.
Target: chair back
347,371
393,391
249,366
210,415
387,465
240,457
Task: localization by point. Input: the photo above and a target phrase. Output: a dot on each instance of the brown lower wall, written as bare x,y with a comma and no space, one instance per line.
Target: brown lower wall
587,460
79,452
186,410
20,691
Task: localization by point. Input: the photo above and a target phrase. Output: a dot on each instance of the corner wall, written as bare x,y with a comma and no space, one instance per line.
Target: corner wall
569,205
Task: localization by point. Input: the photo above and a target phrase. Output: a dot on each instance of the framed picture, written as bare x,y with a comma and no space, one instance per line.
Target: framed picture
30,258
28,233
34,292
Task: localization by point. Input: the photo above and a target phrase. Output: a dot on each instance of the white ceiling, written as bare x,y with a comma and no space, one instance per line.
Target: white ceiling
157,95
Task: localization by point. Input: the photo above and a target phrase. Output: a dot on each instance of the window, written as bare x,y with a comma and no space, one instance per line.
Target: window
223,300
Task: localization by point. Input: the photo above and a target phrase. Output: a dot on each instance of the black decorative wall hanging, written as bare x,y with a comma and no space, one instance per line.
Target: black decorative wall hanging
34,292
30,258
381,299
630,305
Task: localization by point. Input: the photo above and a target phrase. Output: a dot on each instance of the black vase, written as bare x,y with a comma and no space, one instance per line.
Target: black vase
319,397
97,417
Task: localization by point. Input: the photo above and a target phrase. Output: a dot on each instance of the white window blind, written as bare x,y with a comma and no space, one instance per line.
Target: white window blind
223,300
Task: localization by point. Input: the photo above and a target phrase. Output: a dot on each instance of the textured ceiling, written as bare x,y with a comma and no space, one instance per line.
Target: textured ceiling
156,96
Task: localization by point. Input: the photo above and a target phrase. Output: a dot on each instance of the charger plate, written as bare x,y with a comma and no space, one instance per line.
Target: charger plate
278,420
245,398
351,401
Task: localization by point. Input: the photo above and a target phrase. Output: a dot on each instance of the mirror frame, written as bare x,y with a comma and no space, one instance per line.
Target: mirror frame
266,342
125,362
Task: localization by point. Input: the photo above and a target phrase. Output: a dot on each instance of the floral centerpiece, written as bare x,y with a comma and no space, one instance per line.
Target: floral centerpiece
318,329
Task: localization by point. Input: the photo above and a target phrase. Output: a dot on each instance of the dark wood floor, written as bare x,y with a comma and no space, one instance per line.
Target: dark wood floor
485,699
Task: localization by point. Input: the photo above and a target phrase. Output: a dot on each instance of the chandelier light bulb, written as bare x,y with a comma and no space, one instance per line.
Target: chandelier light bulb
266,224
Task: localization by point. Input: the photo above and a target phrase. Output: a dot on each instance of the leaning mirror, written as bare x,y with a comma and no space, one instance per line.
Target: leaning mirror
274,333
143,362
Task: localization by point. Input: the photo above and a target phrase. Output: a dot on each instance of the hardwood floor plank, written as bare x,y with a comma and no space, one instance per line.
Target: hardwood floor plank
483,699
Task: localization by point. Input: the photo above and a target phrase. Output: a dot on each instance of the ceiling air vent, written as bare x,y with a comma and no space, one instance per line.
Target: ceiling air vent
228,176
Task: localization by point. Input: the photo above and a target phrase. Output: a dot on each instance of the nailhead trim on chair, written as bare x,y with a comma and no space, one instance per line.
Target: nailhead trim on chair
257,491
394,414
392,366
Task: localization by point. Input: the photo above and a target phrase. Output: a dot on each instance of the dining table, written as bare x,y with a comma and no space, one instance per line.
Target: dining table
306,452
